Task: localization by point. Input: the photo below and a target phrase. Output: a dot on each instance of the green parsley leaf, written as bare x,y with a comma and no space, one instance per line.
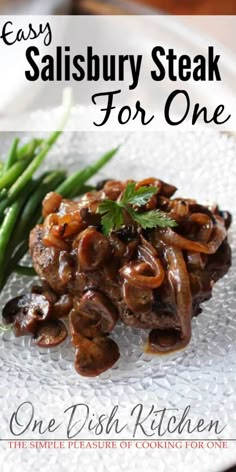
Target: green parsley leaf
112,215
137,197
151,219
112,211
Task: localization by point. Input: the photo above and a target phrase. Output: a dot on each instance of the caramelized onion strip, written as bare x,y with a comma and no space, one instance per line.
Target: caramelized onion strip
169,340
170,238
137,272
179,281
206,226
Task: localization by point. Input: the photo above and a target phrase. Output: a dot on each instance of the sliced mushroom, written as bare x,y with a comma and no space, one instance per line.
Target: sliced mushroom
51,203
50,334
101,183
89,217
45,290
126,233
167,189
63,306
93,249
92,357
82,325
26,312
96,305
164,189
138,300
118,247
113,189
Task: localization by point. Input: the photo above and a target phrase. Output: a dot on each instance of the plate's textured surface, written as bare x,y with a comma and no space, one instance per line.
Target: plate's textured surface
202,166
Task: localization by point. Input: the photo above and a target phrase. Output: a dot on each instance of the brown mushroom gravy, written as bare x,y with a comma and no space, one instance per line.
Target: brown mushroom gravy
153,279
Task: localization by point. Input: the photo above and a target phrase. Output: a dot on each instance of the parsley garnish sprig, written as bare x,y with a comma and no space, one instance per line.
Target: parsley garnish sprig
113,211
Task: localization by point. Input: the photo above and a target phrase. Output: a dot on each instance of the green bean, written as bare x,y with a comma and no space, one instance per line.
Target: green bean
25,270
84,189
32,167
27,151
47,184
73,184
28,218
28,171
21,183
8,225
6,202
22,247
3,206
32,208
6,232
13,174
3,194
12,156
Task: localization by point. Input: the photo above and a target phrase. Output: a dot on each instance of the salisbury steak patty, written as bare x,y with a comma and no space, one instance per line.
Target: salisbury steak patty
152,279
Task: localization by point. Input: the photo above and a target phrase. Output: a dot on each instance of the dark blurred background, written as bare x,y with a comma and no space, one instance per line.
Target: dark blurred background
174,7
119,7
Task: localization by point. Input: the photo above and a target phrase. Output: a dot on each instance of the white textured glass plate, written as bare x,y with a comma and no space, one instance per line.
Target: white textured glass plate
202,165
